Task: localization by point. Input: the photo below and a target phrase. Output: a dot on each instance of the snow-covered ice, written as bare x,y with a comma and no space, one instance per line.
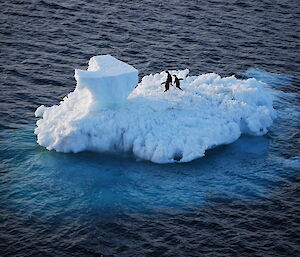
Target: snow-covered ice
153,125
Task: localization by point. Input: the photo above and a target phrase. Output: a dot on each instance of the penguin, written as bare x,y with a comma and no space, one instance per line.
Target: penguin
177,82
168,81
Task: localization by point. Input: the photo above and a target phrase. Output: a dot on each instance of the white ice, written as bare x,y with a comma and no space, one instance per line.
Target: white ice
108,79
153,125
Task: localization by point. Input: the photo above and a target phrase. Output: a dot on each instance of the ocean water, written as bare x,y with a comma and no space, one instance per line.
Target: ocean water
240,199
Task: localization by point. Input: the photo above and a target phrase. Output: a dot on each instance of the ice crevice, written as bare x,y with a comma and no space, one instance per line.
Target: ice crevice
110,111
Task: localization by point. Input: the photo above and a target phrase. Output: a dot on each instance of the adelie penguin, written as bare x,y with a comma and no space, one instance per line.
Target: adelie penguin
168,81
177,82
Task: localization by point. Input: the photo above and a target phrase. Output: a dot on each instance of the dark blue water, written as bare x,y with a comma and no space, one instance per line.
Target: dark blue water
239,200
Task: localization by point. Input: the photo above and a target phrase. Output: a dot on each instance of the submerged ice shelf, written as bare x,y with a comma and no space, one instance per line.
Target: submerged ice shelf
106,112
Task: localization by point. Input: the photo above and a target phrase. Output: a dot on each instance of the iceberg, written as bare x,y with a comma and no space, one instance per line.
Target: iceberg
109,112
